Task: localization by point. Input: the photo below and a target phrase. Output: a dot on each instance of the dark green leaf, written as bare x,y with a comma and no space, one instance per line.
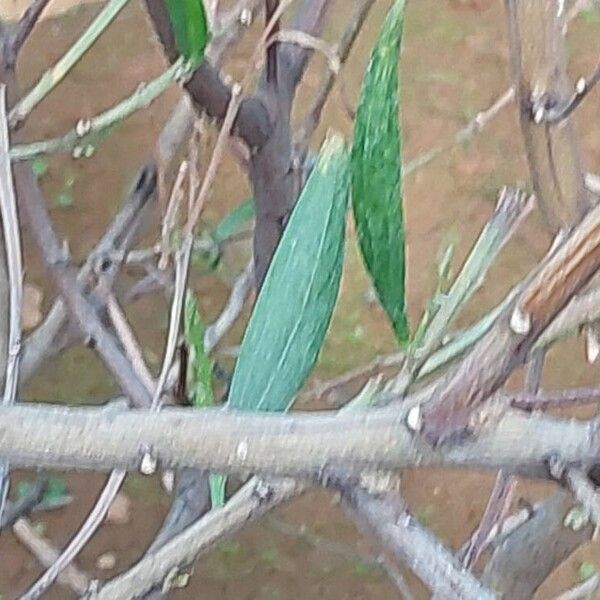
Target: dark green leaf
234,221
376,167
294,308
190,27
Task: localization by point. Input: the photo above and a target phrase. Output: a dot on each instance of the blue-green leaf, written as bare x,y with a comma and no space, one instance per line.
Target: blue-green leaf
294,307
376,167
190,27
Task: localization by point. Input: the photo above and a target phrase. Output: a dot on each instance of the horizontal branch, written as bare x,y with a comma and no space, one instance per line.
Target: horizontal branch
302,445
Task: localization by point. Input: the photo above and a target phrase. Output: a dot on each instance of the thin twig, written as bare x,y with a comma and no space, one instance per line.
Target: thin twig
82,537
47,555
81,140
512,208
129,341
24,28
322,388
232,309
14,262
480,121
51,78
582,89
252,500
495,512
562,399
313,115
182,265
218,152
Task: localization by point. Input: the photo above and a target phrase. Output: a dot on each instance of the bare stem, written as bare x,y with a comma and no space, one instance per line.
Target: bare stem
14,260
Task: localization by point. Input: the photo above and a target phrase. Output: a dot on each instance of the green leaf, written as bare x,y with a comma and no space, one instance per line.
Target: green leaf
376,168
200,367
199,384
234,221
294,307
190,27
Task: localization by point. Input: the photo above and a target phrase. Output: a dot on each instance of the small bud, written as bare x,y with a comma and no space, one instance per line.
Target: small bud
520,322
83,127
148,465
77,152
168,481
241,451
538,115
581,85
246,17
89,151
414,419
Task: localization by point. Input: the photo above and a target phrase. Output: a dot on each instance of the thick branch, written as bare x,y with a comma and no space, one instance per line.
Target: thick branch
254,499
312,445
519,325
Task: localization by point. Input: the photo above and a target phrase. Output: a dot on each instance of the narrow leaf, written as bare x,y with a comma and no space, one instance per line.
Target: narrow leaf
294,308
234,221
190,27
199,383
200,369
376,168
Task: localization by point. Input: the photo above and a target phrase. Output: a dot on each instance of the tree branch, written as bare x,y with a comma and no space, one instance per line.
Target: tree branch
298,444
25,26
538,61
519,325
527,556
162,566
415,546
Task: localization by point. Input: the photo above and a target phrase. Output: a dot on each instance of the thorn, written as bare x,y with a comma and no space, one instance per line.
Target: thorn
520,322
